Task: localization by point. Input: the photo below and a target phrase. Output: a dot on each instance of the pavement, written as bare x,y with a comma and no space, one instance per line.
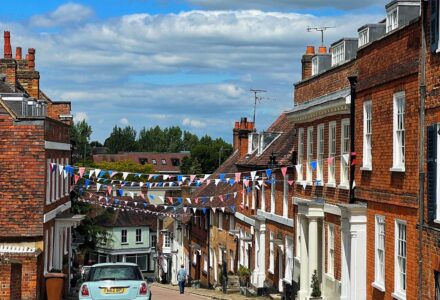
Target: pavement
206,293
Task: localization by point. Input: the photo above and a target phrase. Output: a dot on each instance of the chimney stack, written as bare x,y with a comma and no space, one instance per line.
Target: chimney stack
31,58
241,133
7,45
18,53
306,62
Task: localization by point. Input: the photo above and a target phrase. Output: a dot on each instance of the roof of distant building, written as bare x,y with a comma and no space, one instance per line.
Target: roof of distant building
161,162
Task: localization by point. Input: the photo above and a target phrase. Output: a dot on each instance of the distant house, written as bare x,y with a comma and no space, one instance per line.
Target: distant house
168,163
132,238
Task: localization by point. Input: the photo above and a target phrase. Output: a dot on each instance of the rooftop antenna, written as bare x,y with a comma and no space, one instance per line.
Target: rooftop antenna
256,98
320,29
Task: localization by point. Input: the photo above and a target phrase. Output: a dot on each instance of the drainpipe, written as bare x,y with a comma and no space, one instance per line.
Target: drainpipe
353,83
422,90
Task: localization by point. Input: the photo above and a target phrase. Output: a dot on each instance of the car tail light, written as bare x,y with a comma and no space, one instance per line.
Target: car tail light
84,290
143,289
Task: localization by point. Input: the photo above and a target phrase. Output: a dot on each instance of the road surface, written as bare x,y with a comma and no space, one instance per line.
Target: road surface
166,294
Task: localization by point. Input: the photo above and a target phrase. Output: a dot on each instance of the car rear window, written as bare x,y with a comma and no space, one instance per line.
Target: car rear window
115,273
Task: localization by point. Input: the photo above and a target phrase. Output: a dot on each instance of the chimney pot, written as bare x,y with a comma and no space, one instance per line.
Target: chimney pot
310,50
322,50
7,44
18,53
31,58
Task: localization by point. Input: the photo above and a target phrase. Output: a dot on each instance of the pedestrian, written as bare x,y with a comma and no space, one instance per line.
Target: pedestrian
181,277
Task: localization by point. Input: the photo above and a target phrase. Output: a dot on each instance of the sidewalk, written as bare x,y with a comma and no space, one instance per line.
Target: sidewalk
208,293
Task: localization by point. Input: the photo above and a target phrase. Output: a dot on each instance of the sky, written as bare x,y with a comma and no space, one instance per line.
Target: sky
187,63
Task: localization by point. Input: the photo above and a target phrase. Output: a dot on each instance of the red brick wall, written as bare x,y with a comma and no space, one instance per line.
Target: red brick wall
22,183
328,82
5,280
385,67
56,109
30,81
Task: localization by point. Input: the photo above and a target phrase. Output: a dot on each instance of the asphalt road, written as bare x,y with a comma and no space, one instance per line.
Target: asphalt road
166,294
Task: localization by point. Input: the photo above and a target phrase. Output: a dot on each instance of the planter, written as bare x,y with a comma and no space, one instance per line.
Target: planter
315,298
243,280
55,285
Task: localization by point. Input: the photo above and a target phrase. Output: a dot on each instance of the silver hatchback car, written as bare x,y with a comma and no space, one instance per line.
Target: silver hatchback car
121,281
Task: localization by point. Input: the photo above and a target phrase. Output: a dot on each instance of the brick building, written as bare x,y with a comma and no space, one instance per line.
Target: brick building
386,139
325,217
34,215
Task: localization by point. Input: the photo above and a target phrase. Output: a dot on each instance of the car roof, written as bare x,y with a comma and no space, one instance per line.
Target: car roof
114,264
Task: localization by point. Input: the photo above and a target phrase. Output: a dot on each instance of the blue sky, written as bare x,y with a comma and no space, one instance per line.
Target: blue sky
189,63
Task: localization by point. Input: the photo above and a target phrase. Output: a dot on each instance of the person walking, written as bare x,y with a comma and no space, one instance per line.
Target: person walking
181,277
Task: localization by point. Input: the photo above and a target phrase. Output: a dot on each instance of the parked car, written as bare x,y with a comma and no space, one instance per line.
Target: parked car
121,281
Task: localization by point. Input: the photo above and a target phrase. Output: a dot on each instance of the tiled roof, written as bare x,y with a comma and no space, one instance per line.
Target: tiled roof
128,218
282,147
150,158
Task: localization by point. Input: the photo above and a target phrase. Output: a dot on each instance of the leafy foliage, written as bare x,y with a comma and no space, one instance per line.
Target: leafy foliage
121,140
80,134
124,165
316,289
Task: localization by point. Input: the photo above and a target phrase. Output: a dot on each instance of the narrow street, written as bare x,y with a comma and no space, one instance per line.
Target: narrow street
162,293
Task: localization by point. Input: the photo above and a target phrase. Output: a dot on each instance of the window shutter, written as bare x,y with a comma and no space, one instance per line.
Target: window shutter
434,25
432,172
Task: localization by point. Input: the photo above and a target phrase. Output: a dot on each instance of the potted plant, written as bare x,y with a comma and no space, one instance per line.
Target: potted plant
244,274
55,284
316,287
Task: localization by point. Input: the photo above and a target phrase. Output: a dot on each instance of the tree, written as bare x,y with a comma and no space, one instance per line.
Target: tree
121,140
80,134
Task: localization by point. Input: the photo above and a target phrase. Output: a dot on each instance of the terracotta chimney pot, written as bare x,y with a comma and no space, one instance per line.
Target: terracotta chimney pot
7,44
31,58
322,50
310,50
18,54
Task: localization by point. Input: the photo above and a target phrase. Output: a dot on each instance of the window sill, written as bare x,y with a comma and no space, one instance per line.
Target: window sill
366,168
397,169
309,183
378,286
398,296
330,184
330,276
319,182
343,186
437,221
287,280
271,271
138,243
124,244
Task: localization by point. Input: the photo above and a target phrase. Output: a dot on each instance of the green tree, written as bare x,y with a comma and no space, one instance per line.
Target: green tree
121,140
80,135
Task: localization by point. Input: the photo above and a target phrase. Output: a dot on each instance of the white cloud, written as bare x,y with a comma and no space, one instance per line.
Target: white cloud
193,123
107,68
68,13
80,116
124,122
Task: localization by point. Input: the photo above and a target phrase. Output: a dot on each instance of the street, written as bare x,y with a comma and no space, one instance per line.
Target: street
162,293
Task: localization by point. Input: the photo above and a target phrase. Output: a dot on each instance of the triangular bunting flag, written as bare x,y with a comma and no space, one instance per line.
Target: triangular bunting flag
346,157
98,186
253,173
284,171
237,177
76,178
124,175
194,209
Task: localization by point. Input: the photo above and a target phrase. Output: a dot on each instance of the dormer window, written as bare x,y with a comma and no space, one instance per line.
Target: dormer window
253,143
265,139
338,54
364,37
392,20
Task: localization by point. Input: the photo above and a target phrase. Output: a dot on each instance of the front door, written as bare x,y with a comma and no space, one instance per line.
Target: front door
280,270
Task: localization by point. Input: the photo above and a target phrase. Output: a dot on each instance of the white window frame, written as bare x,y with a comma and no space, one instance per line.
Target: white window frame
273,193
286,196
400,260
338,53
345,149
309,171
379,253
392,21
122,236
254,195
205,263
263,197
48,181
58,180
271,253
364,37
52,181
166,240
140,240
368,127
331,250
288,269
232,260
320,153
300,175
332,148
398,132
